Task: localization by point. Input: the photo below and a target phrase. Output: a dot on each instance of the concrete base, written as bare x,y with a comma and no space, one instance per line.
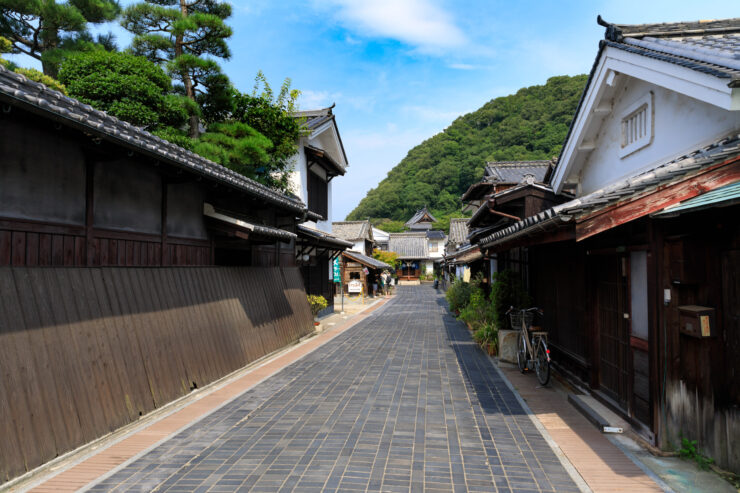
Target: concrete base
415,282
507,345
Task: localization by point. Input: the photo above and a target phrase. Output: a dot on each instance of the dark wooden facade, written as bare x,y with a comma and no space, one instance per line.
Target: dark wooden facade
118,293
87,350
612,308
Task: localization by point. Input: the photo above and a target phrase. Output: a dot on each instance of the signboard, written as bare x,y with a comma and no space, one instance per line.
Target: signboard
337,274
354,287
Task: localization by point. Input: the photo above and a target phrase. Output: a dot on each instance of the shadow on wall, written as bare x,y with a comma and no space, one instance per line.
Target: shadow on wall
84,351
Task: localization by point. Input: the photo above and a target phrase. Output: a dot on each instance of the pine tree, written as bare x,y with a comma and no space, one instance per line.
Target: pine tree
47,30
182,35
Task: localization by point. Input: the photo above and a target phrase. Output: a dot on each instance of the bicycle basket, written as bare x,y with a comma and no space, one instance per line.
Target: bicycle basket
516,319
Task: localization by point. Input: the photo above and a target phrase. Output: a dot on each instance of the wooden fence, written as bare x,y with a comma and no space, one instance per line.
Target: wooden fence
84,351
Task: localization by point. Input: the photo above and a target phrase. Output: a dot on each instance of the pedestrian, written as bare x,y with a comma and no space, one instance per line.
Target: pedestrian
381,282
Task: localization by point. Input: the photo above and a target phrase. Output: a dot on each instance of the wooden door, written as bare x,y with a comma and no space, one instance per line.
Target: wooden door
640,406
613,329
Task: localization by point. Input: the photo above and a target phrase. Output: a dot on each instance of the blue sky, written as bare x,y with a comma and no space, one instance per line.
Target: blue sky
401,71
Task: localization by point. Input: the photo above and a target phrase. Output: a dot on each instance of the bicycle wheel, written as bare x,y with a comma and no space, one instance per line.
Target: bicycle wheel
542,363
521,353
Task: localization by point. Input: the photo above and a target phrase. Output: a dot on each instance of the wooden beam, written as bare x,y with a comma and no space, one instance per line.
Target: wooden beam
706,180
163,239
503,214
89,211
563,234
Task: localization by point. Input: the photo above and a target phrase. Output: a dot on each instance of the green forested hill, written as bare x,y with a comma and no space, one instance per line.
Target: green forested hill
530,124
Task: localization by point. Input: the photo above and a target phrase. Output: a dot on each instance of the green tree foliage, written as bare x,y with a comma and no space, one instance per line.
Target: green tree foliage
49,30
184,36
126,86
272,116
31,73
239,147
443,220
390,258
530,124
388,225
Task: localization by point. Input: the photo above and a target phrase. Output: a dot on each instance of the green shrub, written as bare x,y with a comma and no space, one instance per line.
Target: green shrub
487,333
478,310
458,295
507,291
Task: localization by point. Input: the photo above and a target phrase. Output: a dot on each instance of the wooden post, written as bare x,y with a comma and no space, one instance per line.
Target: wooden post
164,257
89,210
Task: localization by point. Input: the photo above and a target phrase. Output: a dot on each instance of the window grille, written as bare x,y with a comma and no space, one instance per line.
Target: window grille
637,126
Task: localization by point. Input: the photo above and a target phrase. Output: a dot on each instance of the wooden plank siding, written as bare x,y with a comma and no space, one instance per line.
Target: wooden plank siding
19,247
84,351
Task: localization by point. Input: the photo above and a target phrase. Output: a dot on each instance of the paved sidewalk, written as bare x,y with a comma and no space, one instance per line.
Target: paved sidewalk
600,463
402,401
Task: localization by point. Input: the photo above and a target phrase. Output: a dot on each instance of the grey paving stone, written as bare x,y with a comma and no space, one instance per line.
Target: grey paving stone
403,401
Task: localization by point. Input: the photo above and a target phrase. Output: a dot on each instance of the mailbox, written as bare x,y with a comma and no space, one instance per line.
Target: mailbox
697,321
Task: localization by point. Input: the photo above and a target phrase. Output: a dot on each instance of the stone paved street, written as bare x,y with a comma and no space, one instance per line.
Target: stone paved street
403,401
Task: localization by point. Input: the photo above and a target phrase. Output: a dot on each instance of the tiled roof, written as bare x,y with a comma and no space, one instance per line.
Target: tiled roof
516,171
352,230
409,246
722,34
662,175
18,90
419,215
315,118
322,236
368,261
458,230
711,47
435,234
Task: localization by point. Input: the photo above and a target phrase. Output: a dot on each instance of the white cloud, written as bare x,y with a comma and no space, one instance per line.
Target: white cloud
310,100
462,66
419,23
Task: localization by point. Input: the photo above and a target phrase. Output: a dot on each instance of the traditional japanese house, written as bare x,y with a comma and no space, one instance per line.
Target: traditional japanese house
413,254
358,267
457,243
131,272
638,273
359,233
358,263
421,221
509,192
320,159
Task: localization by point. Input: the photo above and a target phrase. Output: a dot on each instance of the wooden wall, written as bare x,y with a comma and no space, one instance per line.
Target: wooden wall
84,351
33,244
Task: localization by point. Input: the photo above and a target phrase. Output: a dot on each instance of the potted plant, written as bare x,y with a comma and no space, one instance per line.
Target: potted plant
317,303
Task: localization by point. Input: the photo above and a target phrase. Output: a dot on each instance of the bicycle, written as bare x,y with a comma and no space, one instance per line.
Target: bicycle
531,345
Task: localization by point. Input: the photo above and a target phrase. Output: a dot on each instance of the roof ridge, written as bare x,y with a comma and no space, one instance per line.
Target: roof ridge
617,32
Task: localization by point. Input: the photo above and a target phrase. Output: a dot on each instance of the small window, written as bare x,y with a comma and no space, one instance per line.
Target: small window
433,246
637,126
318,196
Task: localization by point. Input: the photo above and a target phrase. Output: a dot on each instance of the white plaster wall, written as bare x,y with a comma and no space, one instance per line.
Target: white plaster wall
440,248
681,125
298,178
359,246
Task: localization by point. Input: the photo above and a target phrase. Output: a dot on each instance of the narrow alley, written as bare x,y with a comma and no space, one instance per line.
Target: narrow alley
402,401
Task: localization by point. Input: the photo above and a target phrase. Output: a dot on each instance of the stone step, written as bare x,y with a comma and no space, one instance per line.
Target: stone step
597,413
